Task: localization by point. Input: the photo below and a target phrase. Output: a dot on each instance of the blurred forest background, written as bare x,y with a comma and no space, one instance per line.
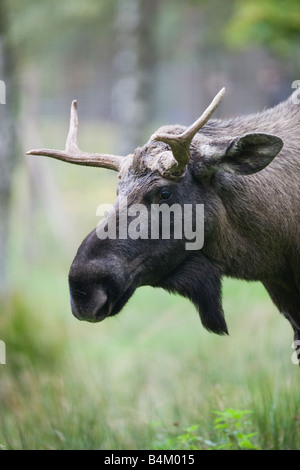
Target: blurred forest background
133,65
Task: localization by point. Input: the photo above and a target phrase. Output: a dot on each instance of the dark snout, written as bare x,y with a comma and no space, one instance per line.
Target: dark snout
88,302
99,287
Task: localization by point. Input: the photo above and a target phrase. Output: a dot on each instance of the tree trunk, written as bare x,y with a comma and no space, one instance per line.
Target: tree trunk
7,146
42,187
134,66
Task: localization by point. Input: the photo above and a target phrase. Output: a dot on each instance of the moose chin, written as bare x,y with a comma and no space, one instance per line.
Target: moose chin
244,171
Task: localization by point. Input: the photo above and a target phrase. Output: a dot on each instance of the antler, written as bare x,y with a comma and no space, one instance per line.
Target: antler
180,144
73,154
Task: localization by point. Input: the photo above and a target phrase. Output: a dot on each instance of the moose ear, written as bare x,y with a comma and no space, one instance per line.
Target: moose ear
244,155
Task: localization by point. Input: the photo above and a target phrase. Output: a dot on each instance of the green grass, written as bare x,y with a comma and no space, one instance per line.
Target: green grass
137,380
142,379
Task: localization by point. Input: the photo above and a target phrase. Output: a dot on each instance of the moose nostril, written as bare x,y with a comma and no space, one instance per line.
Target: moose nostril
101,309
92,306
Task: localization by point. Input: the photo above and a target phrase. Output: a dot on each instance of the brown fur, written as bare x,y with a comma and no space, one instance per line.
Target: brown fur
252,219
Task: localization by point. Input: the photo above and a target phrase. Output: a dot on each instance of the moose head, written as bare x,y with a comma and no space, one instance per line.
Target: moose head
177,166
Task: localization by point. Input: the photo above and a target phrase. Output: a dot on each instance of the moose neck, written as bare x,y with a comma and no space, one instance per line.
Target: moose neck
282,120
245,204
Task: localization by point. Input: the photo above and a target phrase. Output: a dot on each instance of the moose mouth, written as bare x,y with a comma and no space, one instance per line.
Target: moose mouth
99,306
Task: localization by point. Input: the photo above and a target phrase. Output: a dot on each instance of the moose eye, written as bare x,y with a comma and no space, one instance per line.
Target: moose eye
165,193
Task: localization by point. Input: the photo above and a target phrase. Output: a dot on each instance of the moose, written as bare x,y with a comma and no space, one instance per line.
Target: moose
251,214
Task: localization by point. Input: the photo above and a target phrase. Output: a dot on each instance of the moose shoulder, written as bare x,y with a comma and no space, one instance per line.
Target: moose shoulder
251,214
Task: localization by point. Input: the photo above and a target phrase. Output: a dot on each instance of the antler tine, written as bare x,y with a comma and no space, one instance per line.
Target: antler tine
73,154
180,144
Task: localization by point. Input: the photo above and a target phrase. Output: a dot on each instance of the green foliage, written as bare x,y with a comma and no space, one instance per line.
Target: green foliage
230,433
189,440
30,339
273,23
